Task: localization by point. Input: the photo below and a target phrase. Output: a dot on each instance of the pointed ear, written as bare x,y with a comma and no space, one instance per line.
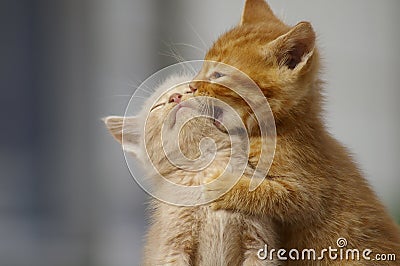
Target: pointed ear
293,49
125,130
114,125
256,11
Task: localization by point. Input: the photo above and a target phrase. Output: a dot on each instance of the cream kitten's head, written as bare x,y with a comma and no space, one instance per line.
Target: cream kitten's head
174,130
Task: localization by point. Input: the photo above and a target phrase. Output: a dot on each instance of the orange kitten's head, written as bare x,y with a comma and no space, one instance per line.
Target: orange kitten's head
282,61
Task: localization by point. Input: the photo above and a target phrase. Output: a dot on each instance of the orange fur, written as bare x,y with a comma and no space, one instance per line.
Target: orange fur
313,189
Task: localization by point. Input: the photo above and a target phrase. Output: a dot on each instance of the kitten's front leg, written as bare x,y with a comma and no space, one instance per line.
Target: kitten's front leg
278,197
216,190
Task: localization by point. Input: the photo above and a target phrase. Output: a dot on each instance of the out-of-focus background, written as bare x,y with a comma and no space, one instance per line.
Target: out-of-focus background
66,195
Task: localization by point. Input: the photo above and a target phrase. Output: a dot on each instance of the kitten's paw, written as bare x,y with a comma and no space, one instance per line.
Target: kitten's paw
218,205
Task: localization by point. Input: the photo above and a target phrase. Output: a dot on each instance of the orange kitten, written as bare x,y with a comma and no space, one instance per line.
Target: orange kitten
314,190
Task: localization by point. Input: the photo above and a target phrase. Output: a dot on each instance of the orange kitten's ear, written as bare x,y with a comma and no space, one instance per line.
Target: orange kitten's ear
125,131
293,49
256,11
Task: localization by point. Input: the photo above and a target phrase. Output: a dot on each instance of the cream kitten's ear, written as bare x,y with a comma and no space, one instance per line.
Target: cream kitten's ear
256,11
125,130
293,49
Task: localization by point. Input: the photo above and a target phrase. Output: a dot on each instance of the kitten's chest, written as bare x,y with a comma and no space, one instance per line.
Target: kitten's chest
219,238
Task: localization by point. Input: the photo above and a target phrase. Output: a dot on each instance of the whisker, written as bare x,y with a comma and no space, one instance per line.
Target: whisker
206,111
191,46
143,90
178,57
121,95
173,53
139,84
168,55
190,68
134,83
140,97
197,34
148,89
176,53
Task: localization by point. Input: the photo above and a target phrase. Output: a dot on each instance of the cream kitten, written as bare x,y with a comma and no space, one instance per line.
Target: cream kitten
193,235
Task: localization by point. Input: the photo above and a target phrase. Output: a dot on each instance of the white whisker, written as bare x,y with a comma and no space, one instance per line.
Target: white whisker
143,90
140,97
197,34
173,52
121,95
191,46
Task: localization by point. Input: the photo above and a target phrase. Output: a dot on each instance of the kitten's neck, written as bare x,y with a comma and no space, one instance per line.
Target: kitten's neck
301,127
304,118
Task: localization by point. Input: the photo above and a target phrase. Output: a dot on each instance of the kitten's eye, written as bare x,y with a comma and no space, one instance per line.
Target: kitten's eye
216,75
157,106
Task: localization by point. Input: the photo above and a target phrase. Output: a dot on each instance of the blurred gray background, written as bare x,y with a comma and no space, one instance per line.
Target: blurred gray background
66,195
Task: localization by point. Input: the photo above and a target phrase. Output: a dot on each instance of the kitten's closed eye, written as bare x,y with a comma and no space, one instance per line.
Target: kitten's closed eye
216,75
157,106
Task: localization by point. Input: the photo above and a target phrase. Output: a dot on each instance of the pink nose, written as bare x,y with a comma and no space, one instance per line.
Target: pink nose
176,98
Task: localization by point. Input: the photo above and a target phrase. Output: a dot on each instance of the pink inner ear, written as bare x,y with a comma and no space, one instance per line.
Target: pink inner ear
295,56
296,44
